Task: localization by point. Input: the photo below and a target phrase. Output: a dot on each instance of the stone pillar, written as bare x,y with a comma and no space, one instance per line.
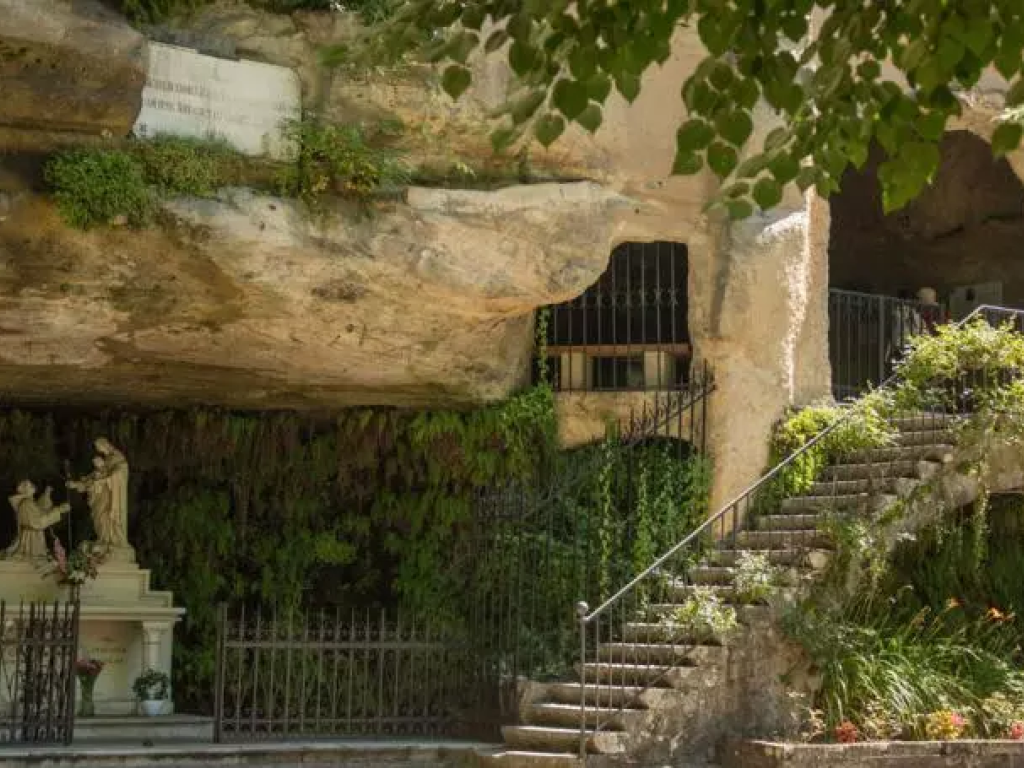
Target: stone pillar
152,640
768,349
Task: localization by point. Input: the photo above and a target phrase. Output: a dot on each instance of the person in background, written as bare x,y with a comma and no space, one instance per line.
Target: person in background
932,313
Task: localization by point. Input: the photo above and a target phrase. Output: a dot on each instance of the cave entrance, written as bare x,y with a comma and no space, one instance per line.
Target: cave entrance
629,330
956,247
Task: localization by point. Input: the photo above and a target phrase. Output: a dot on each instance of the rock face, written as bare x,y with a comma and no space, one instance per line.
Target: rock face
246,302
68,71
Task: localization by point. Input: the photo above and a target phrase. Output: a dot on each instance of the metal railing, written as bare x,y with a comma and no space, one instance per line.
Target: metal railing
625,643
867,333
628,331
337,673
38,647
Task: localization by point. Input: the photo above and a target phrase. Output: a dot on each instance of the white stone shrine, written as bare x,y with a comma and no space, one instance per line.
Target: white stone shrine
243,102
123,622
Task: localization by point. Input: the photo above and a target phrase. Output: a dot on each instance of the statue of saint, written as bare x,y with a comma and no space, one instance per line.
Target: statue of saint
106,489
34,516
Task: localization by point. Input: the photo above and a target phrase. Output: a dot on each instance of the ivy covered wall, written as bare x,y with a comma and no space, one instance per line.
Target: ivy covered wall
372,509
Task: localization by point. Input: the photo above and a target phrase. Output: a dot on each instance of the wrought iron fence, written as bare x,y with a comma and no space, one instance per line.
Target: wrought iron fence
38,645
630,641
867,336
629,330
333,673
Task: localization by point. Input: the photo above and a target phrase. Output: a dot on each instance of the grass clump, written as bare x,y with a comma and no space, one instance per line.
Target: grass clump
338,159
178,166
100,187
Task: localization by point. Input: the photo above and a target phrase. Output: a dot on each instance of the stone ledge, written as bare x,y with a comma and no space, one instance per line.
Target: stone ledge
901,754
338,754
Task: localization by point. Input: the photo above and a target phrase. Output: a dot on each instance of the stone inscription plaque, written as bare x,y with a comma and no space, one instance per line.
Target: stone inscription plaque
242,102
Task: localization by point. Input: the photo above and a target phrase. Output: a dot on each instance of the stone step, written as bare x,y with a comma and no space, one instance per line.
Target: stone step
646,654
925,437
511,758
792,556
852,502
712,574
652,673
858,470
923,452
570,715
632,696
560,740
727,594
779,538
869,485
666,631
924,421
808,522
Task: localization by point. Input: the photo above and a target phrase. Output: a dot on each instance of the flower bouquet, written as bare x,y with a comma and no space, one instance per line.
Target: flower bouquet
75,568
87,670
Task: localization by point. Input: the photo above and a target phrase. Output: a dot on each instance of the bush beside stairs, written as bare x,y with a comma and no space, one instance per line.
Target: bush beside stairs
661,700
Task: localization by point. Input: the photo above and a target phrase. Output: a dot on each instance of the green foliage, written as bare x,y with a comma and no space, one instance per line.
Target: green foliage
152,685
703,617
337,159
97,187
153,11
887,673
828,89
756,578
177,166
859,426
359,510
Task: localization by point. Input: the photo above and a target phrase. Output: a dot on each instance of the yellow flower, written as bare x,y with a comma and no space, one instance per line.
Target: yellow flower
995,614
952,603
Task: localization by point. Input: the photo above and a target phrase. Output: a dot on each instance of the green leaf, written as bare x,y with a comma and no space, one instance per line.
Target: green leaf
548,128
598,87
869,70
628,85
721,159
520,26
784,168
1015,96
583,61
590,118
734,127
473,16
746,92
739,209
693,135
1006,138
461,46
496,40
521,57
721,76
767,193
807,178
526,107
737,189
795,27
752,166
456,80
502,138
776,139
687,164
570,98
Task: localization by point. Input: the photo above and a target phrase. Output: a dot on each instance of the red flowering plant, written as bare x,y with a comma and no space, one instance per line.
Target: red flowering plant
76,567
88,668
1017,731
847,733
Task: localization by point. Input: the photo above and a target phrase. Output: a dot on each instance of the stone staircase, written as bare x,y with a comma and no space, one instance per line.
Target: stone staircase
640,684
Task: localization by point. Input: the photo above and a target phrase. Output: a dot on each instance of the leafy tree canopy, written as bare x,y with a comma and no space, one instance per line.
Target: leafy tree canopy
827,85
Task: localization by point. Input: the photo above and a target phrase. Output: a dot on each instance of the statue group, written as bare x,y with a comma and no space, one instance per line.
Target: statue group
106,492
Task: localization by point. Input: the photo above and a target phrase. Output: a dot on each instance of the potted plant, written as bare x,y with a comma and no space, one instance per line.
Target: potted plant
151,688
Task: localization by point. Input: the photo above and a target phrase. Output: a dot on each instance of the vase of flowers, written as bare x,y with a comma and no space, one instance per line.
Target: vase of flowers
73,569
87,670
